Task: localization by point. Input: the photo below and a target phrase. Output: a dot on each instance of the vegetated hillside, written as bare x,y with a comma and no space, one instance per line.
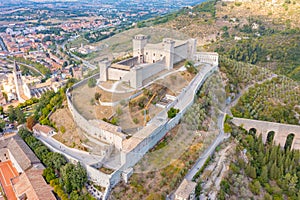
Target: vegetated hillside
265,96
260,32
208,18
121,44
261,171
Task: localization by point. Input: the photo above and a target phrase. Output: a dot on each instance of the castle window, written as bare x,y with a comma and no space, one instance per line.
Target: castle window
146,53
154,54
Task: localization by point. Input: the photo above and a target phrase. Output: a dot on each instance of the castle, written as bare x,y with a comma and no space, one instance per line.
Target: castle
148,60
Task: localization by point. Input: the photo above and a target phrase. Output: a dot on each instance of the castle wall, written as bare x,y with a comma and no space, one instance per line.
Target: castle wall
90,128
129,62
129,159
116,74
103,66
153,55
192,47
93,174
97,176
137,75
181,53
207,57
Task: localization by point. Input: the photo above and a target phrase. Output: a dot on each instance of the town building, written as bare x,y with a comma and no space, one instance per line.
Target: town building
25,176
45,130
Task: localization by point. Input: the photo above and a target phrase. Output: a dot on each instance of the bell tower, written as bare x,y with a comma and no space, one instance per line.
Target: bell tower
17,73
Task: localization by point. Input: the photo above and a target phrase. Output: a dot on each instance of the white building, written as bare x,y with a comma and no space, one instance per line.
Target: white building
39,129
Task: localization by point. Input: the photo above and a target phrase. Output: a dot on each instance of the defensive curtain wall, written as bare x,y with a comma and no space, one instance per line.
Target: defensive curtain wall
281,131
133,75
135,147
96,128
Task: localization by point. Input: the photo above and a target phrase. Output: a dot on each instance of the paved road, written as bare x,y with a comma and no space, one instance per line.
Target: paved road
82,156
3,46
209,151
84,62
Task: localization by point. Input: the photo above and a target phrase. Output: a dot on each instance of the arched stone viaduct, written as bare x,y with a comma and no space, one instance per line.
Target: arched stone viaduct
264,128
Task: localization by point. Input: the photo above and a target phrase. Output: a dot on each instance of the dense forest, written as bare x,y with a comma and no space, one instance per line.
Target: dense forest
261,171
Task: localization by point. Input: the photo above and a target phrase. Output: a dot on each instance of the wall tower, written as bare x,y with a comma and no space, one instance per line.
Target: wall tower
104,65
169,46
139,42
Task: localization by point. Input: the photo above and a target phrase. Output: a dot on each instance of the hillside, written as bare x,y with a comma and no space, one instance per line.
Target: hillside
260,32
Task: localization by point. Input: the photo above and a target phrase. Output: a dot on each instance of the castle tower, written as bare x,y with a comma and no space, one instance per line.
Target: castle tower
192,48
139,42
104,65
169,46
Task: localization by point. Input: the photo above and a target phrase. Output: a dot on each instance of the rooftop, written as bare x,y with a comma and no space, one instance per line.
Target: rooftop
185,189
20,151
42,128
32,185
108,127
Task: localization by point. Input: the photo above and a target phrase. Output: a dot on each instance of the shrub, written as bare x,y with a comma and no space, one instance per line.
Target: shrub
62,129
172,112
97,96
135,120
92,82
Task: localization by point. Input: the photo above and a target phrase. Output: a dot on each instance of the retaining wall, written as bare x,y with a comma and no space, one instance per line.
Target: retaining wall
87,126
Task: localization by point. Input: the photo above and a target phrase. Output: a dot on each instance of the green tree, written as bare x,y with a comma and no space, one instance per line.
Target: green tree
49,174
55,160
73,177
172,112
41,152
2,125
20,117
97,96
12,116
92,82
264,174
255,187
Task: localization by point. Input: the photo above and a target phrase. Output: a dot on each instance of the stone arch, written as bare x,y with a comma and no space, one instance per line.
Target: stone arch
270,137
289,141
252,131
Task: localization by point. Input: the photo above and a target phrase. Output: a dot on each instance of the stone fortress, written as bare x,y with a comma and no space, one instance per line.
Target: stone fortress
147,60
